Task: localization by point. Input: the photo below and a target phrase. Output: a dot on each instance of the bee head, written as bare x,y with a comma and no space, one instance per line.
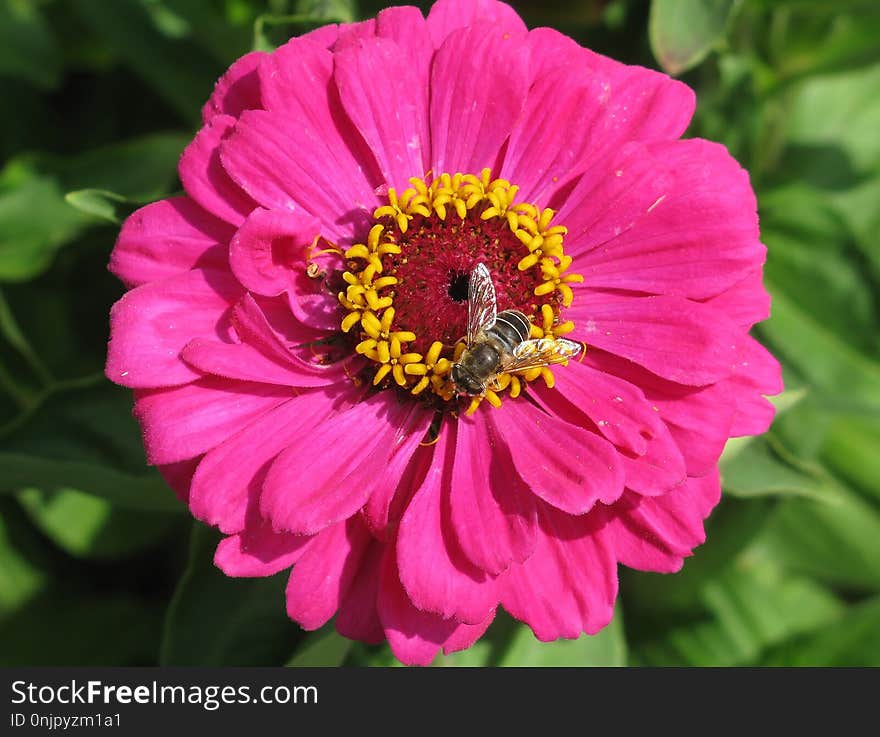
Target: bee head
466,382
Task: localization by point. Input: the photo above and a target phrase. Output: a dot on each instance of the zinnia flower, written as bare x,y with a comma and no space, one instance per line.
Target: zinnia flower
292,322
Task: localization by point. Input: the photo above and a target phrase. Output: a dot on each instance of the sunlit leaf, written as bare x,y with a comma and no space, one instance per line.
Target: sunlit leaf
750,608
837,543
20,577
87,526
850,450
100,203
34,221
683,32
765,468
607,648
853,640
148,492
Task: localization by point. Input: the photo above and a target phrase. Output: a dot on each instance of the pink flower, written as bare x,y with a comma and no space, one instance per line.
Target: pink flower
293,319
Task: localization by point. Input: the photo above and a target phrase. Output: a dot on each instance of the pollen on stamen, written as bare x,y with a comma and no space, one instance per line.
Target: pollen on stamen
406,312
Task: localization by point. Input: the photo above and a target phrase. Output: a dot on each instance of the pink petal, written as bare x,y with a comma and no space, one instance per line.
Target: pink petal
659,470
258,551
245,363
232,474
569,585
561,126
262,357
151,324
492,511
415,636
305,153
676,218
446,16
404,473
283,166
406,26
237,90
326,477
757,373
436,576
358,617
683,341
204,178
618,409
371,82
747,302
350,34
183,422
179,476
567,466
269,255
269,247
324,36
466,635
625,103
698,418
640,104
322,576
472,111
650,458
657,533
168,238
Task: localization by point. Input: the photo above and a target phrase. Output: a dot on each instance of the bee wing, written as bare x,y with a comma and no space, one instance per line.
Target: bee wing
539,352
481,302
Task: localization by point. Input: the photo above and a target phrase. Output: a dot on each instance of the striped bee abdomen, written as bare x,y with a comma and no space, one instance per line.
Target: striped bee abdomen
511,327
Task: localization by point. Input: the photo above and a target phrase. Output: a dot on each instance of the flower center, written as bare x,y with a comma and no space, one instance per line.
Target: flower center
407,286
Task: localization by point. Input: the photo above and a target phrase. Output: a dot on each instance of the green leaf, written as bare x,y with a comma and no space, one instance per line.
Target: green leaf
850,450
853,640
11,331
330,11
20,577
783,403
83,437
27,47
766,468
750,608
839,149
89,527
323,648
100,203
607,648
812,258
835,543
273,29
34,221
148,493
683,32
648,597
512,644
216,620
140,169
819,353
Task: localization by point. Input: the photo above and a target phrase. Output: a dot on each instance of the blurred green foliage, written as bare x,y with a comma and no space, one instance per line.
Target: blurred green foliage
100,564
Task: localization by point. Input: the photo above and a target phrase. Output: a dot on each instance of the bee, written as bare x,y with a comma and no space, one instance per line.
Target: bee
498,342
